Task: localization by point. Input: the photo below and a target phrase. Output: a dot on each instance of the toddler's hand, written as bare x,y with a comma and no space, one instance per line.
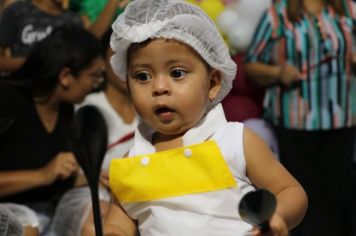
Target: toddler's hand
278,228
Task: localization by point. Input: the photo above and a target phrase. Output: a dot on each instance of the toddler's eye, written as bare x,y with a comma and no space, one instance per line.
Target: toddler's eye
178,73
143,76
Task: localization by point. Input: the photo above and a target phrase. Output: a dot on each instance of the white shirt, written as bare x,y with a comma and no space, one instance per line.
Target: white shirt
203,214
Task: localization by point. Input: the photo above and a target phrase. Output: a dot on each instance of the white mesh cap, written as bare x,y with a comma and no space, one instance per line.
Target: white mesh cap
171,19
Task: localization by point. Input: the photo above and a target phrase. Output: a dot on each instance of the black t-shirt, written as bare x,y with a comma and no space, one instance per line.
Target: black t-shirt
22,24
28,145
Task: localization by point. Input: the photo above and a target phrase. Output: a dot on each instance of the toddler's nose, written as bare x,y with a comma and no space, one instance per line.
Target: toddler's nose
161,87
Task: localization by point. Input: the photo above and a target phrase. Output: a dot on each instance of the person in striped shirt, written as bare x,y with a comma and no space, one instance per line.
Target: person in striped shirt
304,52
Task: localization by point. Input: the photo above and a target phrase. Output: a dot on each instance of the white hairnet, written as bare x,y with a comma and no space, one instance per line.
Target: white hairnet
9,224
72,211
24,215
171,19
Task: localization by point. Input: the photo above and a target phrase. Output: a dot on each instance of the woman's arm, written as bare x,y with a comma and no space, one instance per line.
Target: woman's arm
12,182
265,74
266,172
102,23
8,63
61,167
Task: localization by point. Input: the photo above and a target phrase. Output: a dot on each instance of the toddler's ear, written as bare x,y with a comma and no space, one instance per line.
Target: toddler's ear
215,77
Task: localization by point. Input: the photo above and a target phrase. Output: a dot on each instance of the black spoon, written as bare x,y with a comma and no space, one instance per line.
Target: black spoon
5,124
88,142
257,207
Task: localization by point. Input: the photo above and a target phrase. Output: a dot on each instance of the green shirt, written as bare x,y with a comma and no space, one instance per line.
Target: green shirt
91,8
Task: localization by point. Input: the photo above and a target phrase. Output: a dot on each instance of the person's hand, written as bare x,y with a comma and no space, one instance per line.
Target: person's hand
104,179
353,62
122,3
278,228
289,74
62,166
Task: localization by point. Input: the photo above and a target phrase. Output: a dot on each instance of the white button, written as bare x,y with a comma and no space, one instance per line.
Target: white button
188,152
145,161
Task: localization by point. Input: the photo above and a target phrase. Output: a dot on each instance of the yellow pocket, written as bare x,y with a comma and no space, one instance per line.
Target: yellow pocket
192,169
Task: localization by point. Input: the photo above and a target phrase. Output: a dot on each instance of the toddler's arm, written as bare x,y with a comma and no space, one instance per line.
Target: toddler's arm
118,223
266,172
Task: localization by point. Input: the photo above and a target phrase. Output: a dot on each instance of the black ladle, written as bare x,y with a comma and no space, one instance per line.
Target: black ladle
5,124
88,142
257,207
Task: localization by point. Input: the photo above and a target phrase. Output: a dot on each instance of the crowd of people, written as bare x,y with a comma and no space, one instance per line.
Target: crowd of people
193,126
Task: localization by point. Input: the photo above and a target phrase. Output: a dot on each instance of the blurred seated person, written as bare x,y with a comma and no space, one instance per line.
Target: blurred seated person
74,214
36,165
97,15
24,23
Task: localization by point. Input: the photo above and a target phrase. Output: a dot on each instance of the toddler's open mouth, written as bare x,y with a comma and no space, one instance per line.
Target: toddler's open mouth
164,113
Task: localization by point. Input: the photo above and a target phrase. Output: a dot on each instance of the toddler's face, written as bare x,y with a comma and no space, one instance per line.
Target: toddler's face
170,85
